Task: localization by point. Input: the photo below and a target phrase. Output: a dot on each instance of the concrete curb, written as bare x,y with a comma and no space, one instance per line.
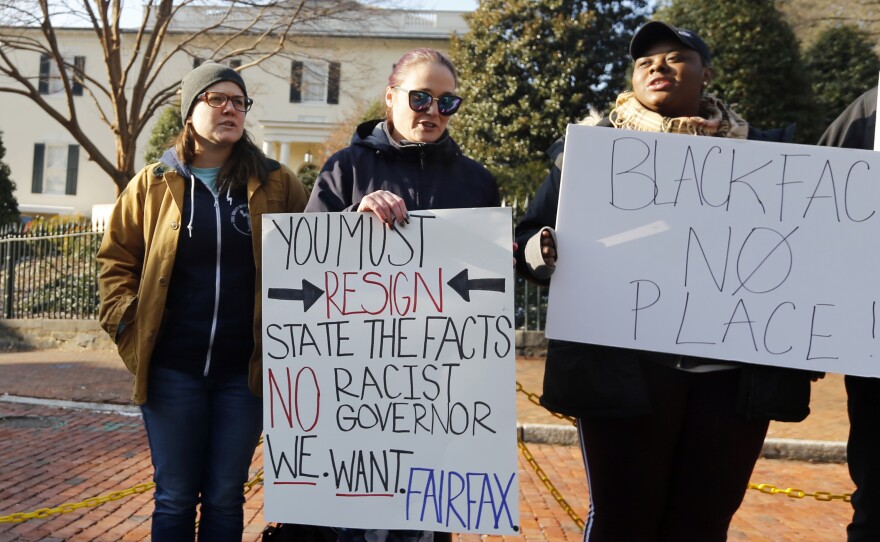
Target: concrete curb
814,451
543,433
128,410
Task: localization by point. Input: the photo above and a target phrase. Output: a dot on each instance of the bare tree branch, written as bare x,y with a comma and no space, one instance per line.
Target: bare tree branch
128,92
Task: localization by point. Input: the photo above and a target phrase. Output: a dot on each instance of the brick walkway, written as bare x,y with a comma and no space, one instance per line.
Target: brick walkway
50,456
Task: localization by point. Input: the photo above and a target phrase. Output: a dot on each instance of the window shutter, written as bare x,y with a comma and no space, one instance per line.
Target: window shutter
79,70
72,169
333,79
296,78
39,160
44,74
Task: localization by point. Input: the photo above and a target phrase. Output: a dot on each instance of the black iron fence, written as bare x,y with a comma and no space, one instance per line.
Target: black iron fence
530,300
49,271
531,305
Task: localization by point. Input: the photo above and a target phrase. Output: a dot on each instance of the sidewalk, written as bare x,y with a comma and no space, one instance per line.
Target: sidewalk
51,455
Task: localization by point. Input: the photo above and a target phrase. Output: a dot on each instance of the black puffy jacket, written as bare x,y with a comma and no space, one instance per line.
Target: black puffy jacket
426,175
854,128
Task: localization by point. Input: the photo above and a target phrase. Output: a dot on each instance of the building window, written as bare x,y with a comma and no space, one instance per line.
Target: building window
233,63
315,82
50,75
55,169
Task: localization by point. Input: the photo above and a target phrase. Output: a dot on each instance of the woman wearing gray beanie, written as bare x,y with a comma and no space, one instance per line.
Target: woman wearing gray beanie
180,295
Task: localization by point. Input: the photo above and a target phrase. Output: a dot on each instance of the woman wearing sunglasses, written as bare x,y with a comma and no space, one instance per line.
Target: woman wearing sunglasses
180,295
668,441
406,161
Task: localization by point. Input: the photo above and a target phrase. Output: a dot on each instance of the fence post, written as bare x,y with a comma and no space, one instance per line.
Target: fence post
10,282
540,303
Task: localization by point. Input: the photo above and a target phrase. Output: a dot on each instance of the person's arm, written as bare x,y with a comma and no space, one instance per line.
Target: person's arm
297,194
854,127
120,260
535,238
334,186
493,193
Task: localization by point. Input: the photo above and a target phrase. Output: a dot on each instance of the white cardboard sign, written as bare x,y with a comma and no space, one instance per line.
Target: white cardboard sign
729,249
389,371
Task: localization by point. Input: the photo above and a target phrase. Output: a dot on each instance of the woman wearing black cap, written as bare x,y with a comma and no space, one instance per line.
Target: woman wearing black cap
668,441
180,295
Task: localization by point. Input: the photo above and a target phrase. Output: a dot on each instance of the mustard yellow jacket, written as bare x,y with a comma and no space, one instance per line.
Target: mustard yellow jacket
137,256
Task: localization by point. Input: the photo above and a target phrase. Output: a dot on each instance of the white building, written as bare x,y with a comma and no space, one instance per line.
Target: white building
54,175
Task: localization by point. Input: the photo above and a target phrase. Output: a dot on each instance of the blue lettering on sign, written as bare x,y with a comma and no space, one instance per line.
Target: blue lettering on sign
463,499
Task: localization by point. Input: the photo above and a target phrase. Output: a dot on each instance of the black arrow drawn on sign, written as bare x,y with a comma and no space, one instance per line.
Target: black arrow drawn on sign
463,286
308,294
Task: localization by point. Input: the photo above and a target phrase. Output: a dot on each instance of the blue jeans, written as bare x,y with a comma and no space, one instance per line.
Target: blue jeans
202,432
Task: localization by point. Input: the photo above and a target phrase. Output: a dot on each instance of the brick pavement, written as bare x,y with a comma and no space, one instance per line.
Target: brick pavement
49,456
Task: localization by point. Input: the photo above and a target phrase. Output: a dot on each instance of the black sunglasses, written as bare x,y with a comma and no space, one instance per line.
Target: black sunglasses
219,99
420,101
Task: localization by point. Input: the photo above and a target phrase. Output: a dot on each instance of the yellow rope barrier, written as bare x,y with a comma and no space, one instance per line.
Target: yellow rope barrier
795,493
549,485
44,513
769,489
536,400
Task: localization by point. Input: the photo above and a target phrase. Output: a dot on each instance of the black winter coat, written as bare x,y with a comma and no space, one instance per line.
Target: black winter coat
588,380
427,175
854,128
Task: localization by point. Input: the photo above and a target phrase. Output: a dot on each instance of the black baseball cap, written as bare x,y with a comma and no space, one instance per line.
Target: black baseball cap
654,31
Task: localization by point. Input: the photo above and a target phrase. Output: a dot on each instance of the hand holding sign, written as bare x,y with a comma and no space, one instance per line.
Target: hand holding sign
387,206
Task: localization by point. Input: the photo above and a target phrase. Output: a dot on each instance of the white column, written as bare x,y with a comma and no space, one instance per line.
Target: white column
285,153
267,149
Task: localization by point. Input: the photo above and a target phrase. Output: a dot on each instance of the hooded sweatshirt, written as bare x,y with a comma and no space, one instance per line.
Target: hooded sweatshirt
208,319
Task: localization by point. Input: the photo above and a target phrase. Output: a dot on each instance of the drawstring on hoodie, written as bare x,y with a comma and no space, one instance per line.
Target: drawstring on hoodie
192,203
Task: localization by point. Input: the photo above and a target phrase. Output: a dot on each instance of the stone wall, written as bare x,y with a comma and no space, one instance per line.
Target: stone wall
531,344
58,334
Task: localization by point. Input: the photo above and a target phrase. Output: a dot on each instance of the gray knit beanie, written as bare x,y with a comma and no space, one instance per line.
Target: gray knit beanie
196,81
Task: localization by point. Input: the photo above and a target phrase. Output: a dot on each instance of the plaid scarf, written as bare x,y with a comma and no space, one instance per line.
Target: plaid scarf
716,119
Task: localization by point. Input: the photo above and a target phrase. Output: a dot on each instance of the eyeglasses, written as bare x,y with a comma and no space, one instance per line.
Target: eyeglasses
420,101
218,99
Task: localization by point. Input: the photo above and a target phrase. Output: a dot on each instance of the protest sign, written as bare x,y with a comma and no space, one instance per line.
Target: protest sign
729,249
389,371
